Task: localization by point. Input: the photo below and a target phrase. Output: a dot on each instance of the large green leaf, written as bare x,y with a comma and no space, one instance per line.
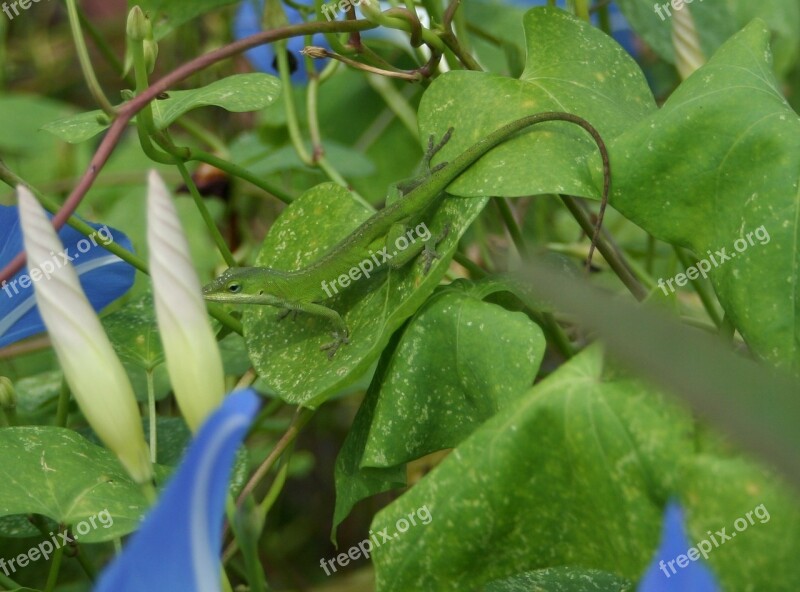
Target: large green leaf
433,395
447,378
287,353
237,93
720,160
57,473
574,473
572,67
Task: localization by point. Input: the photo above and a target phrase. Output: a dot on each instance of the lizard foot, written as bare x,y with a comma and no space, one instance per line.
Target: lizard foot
429,253
340,338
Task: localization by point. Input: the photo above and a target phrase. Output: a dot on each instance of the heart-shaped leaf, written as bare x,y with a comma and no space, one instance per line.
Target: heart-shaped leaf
432,396
572,67
718,169
578,449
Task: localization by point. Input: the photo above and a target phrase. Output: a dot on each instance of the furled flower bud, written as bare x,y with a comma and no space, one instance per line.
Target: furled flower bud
91,367
138,27
193,359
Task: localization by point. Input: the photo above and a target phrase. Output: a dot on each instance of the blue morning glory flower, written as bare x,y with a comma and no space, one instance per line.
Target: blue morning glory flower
179,544
620,29
104,277
673,568
248,22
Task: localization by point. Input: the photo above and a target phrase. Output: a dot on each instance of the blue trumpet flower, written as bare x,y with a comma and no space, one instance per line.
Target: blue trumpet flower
179,544
665,574
104,277
262,58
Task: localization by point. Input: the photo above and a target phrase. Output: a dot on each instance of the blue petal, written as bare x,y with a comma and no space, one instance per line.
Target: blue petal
103,276
660,576
178,547
248,22
620,29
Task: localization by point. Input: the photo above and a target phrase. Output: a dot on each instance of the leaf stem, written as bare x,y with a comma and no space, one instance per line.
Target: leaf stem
701,288
300,420
151,407
85,61
615,259
63,404
200,203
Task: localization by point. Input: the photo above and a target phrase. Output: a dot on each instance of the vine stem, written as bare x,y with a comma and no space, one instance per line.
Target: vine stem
128,110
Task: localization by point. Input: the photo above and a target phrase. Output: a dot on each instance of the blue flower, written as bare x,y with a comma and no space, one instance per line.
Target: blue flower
179,544
248,22
104,277
620,29
665,574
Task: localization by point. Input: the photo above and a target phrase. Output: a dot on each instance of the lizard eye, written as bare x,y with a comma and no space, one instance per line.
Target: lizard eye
234,288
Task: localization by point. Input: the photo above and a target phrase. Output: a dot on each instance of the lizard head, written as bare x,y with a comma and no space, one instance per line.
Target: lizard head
251,285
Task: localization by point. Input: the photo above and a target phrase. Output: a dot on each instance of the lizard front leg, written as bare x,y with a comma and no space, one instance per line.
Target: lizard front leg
341,335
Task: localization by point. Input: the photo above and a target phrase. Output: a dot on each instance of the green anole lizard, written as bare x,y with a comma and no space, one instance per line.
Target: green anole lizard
302,289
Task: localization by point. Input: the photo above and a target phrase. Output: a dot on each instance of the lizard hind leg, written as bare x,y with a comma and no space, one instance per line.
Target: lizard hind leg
433,149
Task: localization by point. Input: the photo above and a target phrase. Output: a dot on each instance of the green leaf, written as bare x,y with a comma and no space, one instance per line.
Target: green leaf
237,93
446,378
56,473
168,15
431,395
720,160
719,493
578,449
287,353
133,331
572,67
562,579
